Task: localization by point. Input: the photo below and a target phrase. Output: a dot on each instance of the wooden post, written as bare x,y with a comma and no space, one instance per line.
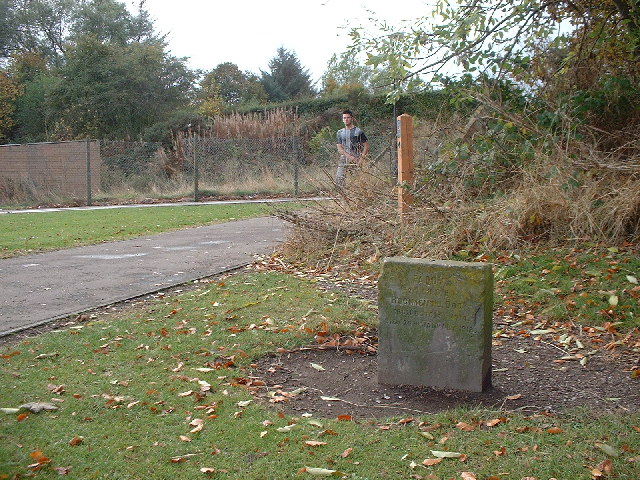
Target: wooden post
405,162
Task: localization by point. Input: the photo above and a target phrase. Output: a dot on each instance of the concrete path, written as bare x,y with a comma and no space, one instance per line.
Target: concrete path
39,288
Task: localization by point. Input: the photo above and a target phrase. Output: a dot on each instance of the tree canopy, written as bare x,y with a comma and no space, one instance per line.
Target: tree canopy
87,68
508,37
286,78
572,62
227,87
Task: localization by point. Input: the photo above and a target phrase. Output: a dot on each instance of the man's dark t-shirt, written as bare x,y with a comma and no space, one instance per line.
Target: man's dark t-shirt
352,140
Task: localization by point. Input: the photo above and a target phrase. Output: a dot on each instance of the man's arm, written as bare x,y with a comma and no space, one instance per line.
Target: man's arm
341,150
363,156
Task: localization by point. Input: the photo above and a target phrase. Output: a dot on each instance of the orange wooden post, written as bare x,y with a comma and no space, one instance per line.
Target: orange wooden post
405,161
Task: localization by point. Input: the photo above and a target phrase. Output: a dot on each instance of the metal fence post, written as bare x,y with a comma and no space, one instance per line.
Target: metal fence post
89,200
195,169
296,162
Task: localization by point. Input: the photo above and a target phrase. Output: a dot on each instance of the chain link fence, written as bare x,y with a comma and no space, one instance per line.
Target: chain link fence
200,166
192,167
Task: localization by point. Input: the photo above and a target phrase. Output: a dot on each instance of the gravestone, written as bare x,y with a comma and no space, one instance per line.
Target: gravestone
435,323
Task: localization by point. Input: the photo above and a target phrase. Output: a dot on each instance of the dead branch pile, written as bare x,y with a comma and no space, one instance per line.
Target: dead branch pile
550,201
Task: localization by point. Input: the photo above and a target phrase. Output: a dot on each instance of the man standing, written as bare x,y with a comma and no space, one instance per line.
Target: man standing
352,146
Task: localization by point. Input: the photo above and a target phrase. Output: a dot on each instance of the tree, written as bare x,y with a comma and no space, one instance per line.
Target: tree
344,73
115,91
570,65
502,37
36,26
110,21
9,91
35,115
48,27
286,79
88,68
227,87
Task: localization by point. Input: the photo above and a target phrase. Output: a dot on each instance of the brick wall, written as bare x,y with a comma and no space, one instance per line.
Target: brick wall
59,168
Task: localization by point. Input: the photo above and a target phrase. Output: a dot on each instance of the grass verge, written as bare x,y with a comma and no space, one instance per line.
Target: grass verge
159,393
34,232
591,285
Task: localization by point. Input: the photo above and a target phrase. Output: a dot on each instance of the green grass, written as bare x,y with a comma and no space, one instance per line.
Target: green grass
22,233
124,399
590,285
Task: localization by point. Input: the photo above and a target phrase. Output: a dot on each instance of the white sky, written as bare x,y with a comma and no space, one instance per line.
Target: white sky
248,33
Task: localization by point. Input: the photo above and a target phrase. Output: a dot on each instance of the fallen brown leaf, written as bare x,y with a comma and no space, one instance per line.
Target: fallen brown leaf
465,427
346,453
197,424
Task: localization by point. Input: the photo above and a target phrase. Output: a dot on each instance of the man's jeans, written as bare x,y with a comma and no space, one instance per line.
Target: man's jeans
341,173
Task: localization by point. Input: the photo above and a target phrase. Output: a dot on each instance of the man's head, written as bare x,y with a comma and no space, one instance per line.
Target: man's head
347,118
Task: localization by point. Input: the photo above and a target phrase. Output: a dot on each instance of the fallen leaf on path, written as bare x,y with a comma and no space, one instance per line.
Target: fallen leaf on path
608,449
40,458
288,428
209,470
330,399
9,411
317,367
465,427
322,472
441,454
602,470
9,355
182,458
57,389
198,425
501,452
37,407
495,421
346,453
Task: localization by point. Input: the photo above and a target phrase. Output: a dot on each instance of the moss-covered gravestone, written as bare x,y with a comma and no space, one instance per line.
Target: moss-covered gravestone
435,323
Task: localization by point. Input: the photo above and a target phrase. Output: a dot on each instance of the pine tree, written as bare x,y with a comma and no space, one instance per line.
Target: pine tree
286,79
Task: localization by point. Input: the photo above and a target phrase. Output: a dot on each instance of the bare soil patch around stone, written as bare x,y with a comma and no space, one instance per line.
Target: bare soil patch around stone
526,377
529,375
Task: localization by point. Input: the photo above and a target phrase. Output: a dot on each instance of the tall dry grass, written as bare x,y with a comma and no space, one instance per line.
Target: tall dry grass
275,123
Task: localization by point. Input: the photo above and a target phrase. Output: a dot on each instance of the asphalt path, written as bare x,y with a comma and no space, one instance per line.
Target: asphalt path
36,289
